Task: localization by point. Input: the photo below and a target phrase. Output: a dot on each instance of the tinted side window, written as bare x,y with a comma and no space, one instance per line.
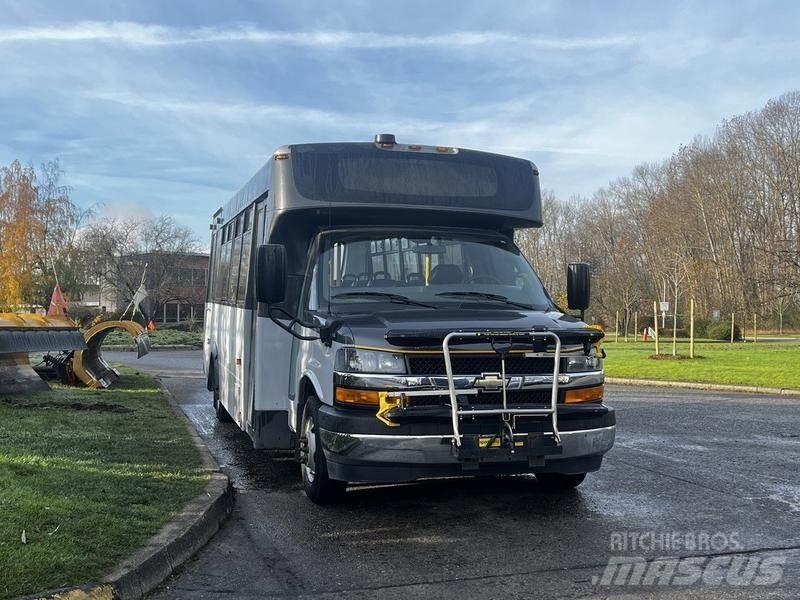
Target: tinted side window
233,281
244,264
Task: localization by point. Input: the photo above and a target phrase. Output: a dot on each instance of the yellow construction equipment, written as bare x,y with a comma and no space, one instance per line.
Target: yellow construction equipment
69,355
88,365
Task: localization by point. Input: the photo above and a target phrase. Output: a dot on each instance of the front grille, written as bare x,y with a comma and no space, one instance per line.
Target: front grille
513,397
475,364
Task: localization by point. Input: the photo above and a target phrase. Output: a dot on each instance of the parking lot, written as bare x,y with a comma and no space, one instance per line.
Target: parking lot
702,474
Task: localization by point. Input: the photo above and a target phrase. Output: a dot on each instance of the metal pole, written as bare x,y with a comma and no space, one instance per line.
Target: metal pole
655,323
732,321
691,327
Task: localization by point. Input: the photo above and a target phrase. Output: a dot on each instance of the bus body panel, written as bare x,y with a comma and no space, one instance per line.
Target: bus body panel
315,363
231,331
272,358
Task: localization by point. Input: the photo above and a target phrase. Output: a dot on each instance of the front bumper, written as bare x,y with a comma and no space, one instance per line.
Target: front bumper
410,454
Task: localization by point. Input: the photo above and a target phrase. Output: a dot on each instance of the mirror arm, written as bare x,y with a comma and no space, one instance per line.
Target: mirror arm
293,320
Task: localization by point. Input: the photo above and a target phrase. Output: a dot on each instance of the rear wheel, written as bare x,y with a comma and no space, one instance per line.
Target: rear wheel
559,482
319,488
219,410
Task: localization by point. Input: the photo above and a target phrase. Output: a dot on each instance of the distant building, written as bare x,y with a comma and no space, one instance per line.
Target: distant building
175,283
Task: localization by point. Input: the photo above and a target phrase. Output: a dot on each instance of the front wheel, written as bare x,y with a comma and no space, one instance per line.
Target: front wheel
559,482
319,488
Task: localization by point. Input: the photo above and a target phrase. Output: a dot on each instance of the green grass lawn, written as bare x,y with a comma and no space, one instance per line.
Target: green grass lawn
160,337
89,475
759,364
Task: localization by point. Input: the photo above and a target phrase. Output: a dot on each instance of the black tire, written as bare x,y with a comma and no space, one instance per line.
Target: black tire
319,488
219,410
559,482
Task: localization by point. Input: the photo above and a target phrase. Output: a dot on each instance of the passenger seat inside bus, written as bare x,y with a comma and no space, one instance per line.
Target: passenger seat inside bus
446,274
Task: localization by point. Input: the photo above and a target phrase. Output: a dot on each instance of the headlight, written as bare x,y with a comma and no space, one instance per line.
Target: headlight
356,360
577,364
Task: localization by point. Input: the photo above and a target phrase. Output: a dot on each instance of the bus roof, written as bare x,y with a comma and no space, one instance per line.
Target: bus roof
381,175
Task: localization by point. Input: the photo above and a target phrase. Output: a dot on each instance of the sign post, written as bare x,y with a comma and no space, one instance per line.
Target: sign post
663,306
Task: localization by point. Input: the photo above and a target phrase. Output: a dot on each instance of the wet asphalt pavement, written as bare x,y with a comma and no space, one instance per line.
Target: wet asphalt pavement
719,470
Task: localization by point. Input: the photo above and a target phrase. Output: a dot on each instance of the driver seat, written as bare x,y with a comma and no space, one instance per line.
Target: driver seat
446,274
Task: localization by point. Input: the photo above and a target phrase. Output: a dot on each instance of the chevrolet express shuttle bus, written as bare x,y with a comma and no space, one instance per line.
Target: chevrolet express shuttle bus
368,308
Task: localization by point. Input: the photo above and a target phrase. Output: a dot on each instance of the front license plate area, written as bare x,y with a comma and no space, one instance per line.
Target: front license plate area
480,449
493,442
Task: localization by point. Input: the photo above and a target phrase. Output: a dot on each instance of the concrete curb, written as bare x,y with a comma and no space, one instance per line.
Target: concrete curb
178,540
691,385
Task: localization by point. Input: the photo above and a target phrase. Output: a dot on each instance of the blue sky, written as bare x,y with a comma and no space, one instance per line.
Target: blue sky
169,107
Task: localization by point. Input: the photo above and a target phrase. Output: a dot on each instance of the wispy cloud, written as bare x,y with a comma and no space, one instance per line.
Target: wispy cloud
145,104
505,123
138,34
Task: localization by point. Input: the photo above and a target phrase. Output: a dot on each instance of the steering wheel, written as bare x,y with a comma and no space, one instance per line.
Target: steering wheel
484,279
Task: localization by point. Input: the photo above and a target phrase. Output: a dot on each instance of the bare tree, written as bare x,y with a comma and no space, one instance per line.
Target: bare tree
122,252
719,221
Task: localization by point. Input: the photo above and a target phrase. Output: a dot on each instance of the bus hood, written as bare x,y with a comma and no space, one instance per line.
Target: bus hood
427,328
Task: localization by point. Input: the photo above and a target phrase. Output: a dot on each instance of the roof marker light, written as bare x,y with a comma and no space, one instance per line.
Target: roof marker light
387,140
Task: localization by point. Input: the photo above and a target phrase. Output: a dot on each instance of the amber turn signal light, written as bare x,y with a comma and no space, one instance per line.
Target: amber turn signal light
591,394
358,397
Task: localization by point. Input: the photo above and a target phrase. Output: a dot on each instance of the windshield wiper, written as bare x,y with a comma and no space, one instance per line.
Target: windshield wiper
397,298
485,296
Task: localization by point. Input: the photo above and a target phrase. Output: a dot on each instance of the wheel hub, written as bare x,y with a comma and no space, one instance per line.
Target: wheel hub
308,449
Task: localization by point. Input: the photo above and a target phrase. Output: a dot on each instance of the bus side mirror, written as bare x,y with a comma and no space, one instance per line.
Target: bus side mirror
579,286
271,273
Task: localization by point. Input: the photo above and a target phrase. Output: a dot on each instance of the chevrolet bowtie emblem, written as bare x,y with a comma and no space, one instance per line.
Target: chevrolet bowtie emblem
489,382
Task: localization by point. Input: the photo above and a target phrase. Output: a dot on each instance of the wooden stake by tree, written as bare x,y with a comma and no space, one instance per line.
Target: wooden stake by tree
691,327
635,325
616,329
675,326
733,318
755,329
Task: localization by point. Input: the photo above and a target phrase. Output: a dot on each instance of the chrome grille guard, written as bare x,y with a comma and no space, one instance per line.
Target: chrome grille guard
507,414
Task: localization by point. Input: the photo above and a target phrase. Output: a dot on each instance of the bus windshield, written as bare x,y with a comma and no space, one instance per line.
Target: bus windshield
429,269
